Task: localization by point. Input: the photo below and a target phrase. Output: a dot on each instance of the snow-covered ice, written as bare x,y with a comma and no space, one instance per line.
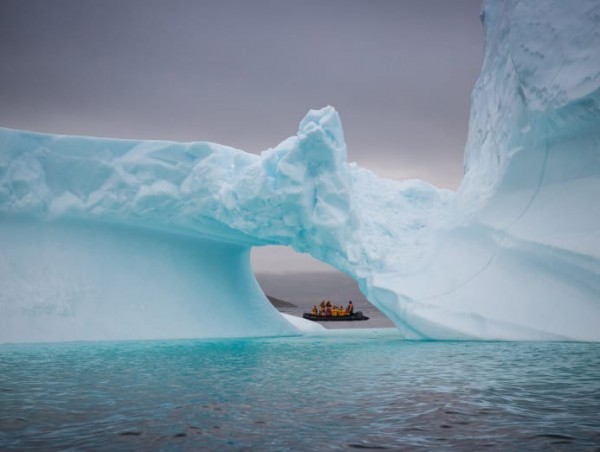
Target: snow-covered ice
116,239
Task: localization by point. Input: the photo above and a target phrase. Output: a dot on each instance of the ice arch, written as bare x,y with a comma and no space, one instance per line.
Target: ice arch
103,239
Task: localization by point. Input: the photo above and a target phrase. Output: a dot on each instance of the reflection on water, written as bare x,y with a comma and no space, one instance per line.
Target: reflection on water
352,389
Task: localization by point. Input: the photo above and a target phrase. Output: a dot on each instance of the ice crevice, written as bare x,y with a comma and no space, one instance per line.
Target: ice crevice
127,239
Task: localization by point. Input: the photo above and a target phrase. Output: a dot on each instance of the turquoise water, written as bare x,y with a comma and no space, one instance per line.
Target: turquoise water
350,389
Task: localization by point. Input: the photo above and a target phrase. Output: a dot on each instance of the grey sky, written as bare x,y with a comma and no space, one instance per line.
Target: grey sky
244,73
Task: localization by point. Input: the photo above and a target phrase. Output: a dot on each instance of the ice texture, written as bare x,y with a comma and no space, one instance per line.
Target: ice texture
519,257
125,239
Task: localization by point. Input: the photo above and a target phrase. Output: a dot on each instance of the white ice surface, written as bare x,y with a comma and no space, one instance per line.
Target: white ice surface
113,239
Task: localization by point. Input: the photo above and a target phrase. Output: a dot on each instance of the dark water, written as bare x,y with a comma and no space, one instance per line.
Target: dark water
352,389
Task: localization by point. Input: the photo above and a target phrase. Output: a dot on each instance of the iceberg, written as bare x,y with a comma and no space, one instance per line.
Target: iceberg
124,239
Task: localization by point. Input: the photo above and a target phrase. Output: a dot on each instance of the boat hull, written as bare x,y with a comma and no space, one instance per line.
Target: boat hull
340,318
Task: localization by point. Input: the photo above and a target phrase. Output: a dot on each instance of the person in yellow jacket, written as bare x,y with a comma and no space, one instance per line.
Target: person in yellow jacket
350,308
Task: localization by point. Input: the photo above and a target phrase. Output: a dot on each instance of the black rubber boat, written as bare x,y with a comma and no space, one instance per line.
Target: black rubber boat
340,318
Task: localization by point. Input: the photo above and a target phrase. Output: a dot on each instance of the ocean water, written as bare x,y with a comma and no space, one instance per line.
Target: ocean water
348,389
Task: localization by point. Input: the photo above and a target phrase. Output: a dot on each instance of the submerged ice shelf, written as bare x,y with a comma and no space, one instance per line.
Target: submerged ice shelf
125,239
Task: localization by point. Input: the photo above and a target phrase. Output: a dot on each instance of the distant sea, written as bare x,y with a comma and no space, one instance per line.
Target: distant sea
350,389
304,290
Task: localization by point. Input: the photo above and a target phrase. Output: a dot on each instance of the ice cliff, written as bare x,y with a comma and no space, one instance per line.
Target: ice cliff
124,239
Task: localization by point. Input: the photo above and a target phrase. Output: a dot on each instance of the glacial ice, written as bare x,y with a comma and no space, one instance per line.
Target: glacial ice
125,239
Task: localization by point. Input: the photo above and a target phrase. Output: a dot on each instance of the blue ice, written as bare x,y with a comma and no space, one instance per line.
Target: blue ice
125,239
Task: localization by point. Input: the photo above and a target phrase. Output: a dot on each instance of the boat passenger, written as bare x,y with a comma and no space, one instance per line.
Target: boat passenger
328,311
314,311
350,308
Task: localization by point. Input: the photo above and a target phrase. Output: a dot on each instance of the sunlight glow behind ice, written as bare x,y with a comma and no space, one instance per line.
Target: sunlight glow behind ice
114,239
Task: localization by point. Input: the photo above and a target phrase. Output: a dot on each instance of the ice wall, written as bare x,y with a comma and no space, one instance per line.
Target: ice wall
118,239
70,280
522,260
112,239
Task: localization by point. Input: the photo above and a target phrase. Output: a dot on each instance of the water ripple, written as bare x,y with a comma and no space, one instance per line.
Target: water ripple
344,392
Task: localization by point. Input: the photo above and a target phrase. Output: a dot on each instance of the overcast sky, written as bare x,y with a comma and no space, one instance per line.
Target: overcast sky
244,73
